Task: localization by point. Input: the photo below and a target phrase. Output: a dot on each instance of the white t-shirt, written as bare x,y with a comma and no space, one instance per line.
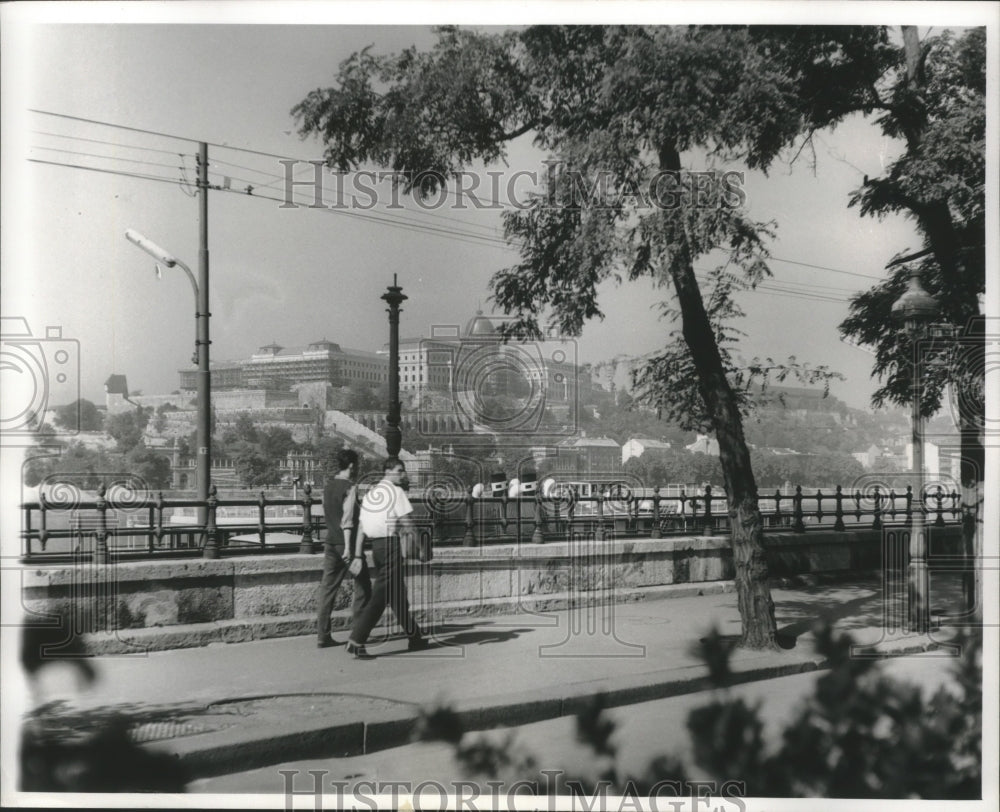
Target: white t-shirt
381,507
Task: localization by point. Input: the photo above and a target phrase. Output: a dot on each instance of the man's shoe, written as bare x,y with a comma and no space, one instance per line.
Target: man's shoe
328,643
417,644
359,652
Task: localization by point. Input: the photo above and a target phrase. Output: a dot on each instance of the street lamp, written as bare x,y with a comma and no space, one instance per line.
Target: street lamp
394,297
916,309
204,455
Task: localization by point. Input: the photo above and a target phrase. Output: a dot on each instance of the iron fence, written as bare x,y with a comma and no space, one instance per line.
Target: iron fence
144,526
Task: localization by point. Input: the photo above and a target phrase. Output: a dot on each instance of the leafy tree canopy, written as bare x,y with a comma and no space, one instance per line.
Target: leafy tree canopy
81,414
938,106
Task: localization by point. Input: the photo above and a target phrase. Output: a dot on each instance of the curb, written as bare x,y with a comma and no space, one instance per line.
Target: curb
223,752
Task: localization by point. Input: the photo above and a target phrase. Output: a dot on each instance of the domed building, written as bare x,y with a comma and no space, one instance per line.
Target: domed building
478,370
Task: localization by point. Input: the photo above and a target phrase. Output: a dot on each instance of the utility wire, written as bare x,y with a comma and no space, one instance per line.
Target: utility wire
466,237
100,141
276,178
108,157
288,158
107,171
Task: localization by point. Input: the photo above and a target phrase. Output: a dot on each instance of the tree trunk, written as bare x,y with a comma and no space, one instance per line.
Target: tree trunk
753,590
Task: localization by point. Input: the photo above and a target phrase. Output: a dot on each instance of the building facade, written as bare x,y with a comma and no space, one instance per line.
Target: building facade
476,359
274,367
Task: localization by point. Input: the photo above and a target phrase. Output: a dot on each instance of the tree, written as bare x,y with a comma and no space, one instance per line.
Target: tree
361,397
276,443
254,469
81,414
152,467
620,110
81,466
934,98
243,430
126,428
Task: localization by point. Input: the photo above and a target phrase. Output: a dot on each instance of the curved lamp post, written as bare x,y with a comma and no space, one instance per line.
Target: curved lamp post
916,309
204,456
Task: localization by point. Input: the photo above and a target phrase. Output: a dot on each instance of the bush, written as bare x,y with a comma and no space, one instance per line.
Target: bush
860,735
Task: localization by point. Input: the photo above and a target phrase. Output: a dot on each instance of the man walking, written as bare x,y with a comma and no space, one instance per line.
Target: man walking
340,509
384,518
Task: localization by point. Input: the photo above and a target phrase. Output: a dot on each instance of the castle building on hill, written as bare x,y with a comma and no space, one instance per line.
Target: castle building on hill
277,367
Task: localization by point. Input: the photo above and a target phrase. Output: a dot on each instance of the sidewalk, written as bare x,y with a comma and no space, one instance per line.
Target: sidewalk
228,707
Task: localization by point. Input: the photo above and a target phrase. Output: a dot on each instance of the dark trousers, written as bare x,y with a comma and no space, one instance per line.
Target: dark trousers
334,572
388,586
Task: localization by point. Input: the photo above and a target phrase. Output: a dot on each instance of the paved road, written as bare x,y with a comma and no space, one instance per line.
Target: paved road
642,730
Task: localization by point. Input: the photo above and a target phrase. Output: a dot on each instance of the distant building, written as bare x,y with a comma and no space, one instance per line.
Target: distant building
870,457
477,359
274,367
116,399
637,446
932,459
584,457
225,375
704,445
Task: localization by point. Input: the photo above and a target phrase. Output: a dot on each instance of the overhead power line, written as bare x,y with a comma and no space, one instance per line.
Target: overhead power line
107,171
388,220
110,143
108,157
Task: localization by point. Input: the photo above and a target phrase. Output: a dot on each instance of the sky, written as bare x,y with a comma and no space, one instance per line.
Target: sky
229,74
296,275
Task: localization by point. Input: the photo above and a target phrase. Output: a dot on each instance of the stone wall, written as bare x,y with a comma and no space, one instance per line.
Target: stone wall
279,591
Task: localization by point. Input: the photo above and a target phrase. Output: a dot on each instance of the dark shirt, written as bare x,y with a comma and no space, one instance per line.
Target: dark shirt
333,509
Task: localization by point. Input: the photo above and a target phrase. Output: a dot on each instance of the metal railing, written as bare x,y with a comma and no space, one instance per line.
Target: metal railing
143,526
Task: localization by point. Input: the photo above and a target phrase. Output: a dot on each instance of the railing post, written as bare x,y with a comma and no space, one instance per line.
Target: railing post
504,499
877,513
839,513
798,525
307,546
599,532
654,531
262,519
101,551
857,506
892,504
819,507
211,549
909,504
537,536
149,524
707,530
939,496
27,527
518,513
43,530
159,519
777,508
470,536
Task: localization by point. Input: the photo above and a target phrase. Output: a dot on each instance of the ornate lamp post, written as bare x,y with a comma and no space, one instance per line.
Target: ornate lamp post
394,297
916,309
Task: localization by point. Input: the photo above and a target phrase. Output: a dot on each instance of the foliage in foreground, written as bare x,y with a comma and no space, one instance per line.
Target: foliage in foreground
861,734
